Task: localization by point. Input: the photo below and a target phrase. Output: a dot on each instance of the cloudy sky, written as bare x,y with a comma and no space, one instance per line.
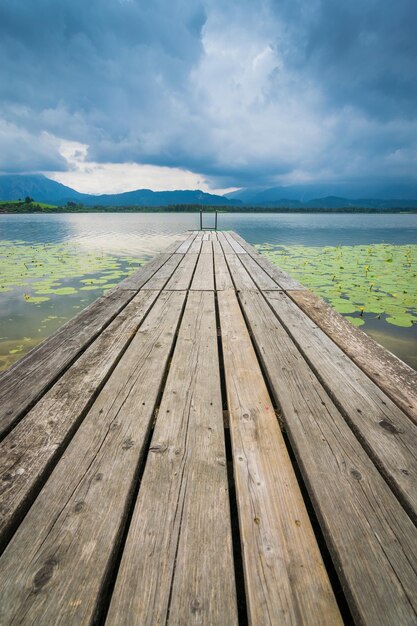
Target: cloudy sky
112,95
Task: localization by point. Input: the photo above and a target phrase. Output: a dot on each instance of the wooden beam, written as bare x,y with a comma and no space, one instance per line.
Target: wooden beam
285,578
177,565
387,434
393,376
30,450
371,538
57,566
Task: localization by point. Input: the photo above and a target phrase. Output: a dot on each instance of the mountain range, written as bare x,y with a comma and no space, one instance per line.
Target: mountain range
373,196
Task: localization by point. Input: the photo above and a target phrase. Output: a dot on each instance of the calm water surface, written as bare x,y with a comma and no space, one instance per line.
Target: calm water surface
119,237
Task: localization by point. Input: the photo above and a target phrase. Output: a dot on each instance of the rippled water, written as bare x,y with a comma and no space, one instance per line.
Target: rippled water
111,240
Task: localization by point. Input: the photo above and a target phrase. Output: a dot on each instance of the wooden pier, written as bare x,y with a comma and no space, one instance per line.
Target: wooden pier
209,444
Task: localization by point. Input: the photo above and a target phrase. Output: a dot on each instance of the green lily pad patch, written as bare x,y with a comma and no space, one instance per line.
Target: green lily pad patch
377,279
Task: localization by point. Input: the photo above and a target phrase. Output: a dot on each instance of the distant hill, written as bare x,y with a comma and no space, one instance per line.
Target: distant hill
43,189
332,194
302,197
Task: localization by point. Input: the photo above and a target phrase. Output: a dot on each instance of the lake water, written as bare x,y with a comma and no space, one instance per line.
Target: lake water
52,266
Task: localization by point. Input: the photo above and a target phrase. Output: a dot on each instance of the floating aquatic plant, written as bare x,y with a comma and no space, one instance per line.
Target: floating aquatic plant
378,279
43,285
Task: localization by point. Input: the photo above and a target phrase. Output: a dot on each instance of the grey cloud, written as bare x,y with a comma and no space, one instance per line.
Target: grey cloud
245,93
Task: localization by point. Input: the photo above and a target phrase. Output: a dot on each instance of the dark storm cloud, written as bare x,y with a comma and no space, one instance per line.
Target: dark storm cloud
246,93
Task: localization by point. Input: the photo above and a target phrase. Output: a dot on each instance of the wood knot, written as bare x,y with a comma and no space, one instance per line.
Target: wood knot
196,606
355,474
390,428
44,574
158,448
128,443
79,506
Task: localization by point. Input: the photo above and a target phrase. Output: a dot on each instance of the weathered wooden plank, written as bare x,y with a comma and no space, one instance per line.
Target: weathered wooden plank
284,280
388,435
186,245
55,569
182,276
227,248
204,273
196,245
258,275
398,380
241,278
372,540
28,379
179,537
30,450
206,236
143,274
162,276
207,247
234,244
222,276
285,578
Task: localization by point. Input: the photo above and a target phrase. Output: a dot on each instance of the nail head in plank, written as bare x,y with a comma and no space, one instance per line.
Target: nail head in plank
393,376
285,578
371,538
76,522
179,536
29,451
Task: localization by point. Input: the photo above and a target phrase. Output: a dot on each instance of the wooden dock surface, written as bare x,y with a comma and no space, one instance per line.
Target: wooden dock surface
209,443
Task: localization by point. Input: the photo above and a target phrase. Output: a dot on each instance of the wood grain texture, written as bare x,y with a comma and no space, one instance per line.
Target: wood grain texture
227,248
203,279
234,244
285,578
240,277
283,279
195,246
162,276
30,450
398,380
388,435
56,567
180,536
182,276
186,245
372,540
207,246
222,276
26,381
143,274
259,276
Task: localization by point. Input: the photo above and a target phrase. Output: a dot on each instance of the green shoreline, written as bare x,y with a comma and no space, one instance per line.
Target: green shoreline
9,207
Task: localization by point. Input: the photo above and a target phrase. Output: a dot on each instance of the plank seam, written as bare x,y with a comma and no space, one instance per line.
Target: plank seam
37,487
241,600
361,439
324,550
20,415
105,594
